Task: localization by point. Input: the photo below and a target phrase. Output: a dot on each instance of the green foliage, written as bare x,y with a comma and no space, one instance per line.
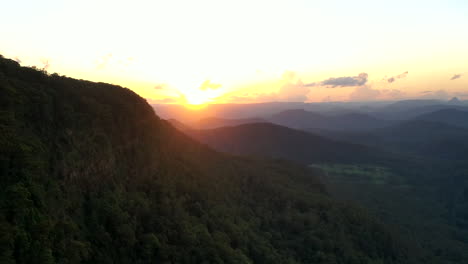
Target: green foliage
425,206
89,174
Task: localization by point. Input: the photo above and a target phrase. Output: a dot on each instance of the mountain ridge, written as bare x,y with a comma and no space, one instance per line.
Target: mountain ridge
91,175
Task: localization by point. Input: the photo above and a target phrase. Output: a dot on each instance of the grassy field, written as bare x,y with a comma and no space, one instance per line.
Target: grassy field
357,173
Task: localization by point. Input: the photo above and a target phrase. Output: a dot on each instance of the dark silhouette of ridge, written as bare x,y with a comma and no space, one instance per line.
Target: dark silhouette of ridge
271,140
449,116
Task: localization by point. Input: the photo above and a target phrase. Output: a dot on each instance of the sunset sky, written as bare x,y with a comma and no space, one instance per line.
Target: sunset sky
248,51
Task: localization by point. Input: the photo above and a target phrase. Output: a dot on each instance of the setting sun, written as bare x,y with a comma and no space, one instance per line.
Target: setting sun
247,131
204,93
197,98
201,52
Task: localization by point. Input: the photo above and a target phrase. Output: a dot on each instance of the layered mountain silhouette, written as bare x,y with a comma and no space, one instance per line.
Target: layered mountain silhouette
213,122
271,140
426,138
90,174
302,119
449,116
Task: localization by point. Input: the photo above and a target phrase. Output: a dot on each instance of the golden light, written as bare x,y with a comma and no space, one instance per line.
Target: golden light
196,98
205,92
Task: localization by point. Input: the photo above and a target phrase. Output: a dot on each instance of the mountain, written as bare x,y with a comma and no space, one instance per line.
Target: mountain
352,121
410,109
189,115
178,125
455,101
223,111
382,111
448,116
213,122
271,140
423,190
416,137
90,174
296,118
405,105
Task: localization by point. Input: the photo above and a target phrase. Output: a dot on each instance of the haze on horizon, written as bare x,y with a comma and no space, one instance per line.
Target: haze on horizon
199,52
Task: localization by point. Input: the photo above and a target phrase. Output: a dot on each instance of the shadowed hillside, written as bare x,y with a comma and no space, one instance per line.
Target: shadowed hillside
212,122
270,140
415,137
449,116
90,174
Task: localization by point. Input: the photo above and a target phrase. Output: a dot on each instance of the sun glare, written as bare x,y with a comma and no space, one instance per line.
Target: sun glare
196,100
198,97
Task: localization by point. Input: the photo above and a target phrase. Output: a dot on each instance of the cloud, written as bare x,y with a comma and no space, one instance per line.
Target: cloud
347,81
359,80
209,85
327,99
126,62
167,100
364,93
103,61
399,76
111,60
392,94
455,76
439,94
160,86
249,98
292,88
293,92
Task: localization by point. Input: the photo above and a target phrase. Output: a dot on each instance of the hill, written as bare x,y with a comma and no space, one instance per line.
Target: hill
178,125
422,189
415,137
410,109
448,116
351,121
213,122
270,140
90,174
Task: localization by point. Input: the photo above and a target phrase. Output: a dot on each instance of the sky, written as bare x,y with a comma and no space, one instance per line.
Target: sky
247,51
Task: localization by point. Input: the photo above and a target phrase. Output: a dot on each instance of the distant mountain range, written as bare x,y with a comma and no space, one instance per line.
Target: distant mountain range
400,110
438,134
409,109
437,139
213,122
275,141
449,116
352,121
90,174
423,150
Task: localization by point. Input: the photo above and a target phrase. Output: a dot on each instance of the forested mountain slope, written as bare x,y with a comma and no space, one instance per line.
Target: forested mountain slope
90,174
270,140
415,137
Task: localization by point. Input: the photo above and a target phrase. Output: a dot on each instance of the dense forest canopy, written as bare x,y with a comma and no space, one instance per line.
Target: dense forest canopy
90,174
